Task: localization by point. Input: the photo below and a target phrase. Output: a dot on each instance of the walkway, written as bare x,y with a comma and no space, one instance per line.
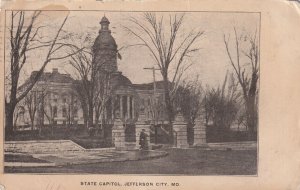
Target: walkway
60,153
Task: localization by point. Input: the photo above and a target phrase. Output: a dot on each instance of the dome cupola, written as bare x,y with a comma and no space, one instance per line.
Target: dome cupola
104,23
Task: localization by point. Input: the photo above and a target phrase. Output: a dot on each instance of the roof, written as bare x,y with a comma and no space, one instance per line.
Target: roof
120,80
53,77
149,86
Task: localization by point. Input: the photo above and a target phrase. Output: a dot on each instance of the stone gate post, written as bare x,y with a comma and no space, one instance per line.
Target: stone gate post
180,131
199,132
118,133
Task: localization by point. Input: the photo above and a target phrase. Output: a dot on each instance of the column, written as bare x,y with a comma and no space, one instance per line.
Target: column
128,106
59,114
121,106
139,126
199,132
180,132
133,111
118,134
112,109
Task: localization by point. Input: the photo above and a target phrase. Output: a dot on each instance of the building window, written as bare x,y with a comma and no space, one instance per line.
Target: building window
64,112
21,114
142,106
75,112
54,111
54,115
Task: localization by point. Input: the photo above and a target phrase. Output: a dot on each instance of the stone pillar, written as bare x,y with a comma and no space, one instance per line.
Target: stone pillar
199,132
118,133
180,132
139,126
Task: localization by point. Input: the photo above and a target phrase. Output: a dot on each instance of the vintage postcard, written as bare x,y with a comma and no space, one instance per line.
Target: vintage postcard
150,95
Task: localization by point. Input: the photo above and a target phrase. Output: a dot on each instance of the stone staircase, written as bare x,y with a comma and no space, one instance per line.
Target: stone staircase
43,146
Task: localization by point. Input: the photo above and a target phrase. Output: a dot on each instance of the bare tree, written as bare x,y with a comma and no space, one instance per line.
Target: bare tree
83,98
189,98
94,83
162,38
49,109
103,93
247,78
24,36
70,107
82,63
222,104
156,109
33,102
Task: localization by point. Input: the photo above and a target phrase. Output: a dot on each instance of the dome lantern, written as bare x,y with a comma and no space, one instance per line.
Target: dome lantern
104,24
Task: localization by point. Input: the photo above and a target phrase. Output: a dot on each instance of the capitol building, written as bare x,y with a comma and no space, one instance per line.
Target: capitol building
56,101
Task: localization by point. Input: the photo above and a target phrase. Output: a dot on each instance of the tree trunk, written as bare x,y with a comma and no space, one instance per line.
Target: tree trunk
32,125
251,105
90,115
85,114
32,121
40,129
169,106
9,119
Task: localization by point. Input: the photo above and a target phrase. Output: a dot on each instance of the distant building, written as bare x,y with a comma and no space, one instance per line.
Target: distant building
54,100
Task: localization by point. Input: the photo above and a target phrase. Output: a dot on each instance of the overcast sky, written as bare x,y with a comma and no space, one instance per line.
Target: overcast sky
211,62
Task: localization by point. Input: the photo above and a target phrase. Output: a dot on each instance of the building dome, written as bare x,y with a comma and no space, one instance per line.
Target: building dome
105,48
104,41
120,80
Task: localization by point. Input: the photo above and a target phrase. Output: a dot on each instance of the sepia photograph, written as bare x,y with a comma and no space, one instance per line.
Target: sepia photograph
131,92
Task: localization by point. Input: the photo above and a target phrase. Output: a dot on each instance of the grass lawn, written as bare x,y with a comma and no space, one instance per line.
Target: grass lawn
179,161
